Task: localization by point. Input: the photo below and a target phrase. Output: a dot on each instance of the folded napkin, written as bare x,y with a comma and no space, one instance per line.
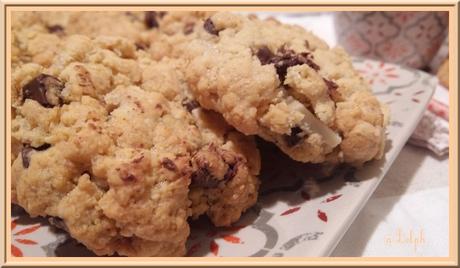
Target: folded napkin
433,130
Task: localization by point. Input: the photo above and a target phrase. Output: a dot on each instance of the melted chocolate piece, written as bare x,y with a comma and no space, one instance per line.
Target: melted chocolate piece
141,46
188,28
150,19
309,61
58,29
331,85
294,138
284,59
190,105
129,177
168,164
265,55
42,147
287,58
27,150
231,171
44,89
203,178
210,27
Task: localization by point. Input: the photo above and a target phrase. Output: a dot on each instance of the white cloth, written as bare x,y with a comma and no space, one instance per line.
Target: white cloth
413,196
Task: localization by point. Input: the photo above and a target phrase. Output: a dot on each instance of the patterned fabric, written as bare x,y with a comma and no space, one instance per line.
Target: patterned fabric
407,38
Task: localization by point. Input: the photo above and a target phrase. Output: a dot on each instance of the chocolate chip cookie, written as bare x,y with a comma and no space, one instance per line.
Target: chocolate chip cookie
224,182
286,85
120,165
35,33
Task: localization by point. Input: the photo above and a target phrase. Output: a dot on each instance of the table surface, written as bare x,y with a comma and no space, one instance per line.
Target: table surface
408,213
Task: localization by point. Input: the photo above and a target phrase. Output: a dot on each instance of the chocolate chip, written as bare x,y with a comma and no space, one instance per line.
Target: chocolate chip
58,29
140,107
210,27
286,58
45,89
307,44
168,164
231,171
27,150
294,138
331,85
150,19
203,178
188,28
310,62
282,64
265,55
43,147
58,222
129,177
141,46
190,105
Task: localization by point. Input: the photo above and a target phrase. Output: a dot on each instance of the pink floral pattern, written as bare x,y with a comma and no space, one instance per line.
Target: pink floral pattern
378,73
408,38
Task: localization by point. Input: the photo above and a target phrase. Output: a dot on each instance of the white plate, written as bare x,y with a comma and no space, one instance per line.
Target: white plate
285,222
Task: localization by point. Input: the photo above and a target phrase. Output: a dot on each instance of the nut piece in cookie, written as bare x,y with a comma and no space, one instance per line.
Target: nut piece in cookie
44,89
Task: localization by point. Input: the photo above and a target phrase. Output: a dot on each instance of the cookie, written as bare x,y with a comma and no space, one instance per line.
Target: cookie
89,152
121,166
171,86
284,84
108,23
163,78
35,31
228,155
133,195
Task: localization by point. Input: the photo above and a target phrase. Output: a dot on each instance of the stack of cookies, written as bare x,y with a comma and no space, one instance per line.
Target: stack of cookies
127,125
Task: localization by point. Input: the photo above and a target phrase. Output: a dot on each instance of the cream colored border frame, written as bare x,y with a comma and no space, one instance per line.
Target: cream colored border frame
450,6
